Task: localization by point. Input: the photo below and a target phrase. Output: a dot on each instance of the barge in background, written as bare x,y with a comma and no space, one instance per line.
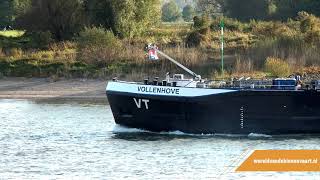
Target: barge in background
243,106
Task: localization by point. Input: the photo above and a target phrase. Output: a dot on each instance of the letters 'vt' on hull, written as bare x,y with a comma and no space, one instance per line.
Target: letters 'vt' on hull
208,111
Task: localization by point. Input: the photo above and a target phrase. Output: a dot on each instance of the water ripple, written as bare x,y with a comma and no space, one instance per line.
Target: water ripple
79,141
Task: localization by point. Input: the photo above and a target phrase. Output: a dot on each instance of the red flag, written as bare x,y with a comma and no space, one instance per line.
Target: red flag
152,54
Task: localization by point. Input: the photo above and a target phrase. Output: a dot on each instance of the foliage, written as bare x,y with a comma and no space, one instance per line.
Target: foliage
170,12
313,37
97,36
209,7
10,9
272,8
20,7
242,66
100,13
15,52
132,18
188,13
199,37
168,34
127,18
308,22
249,41
41,39
229,24
63,18
6,13
246,9
148,14
273,29
201,22
12,33
289,9
277,67
97,46
201,33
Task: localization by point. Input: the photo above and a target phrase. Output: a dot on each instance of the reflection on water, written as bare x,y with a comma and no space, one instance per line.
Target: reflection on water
72,140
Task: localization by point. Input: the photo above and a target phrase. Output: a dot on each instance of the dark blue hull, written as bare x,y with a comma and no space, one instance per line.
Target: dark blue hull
237,112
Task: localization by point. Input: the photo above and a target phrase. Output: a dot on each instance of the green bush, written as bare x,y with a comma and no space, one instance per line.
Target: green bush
4,67
277,67
1,52
310,26
51,69
198,38
97,46
313,37
229,24
15,52
23,68
97,36
201,22
41,39
308,22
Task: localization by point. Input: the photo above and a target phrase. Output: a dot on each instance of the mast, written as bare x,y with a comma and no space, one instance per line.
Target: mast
222,47
196,76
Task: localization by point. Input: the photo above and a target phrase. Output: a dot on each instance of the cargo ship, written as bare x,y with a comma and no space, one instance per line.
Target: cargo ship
198,106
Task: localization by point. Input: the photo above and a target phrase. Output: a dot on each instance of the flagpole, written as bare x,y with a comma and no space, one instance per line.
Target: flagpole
222,47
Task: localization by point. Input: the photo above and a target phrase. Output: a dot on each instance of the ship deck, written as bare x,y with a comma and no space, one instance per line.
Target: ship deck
245,85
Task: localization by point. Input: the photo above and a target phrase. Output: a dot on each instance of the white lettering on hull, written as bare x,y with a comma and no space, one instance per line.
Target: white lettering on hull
163,90
138,103
146,103
159,90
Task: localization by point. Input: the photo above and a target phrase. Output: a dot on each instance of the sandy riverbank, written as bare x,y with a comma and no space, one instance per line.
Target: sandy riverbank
46,89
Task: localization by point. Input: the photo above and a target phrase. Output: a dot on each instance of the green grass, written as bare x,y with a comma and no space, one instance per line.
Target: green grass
176,24
31,54
12,33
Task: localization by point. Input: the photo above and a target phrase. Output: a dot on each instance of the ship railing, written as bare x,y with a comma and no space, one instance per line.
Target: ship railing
249,84
246,85
128,82
275,87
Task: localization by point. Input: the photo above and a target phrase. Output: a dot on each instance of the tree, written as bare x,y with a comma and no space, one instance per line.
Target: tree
134,17
272,8
97,46
63,18
188,13
99,13
201,22
21,7
127,18
246,9
6,12
124,14
170,12
209,7
268,9
289,9
10,9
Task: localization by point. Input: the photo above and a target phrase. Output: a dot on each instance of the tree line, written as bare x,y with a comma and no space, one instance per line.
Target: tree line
65,18
130,18
246,10
243,10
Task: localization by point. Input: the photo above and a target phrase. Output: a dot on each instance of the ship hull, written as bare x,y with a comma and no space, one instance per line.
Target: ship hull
210,111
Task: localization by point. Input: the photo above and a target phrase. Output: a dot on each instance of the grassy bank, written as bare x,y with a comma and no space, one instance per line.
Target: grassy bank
96,53
12,33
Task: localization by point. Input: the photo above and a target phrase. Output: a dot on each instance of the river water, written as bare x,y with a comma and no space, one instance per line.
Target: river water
54,140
